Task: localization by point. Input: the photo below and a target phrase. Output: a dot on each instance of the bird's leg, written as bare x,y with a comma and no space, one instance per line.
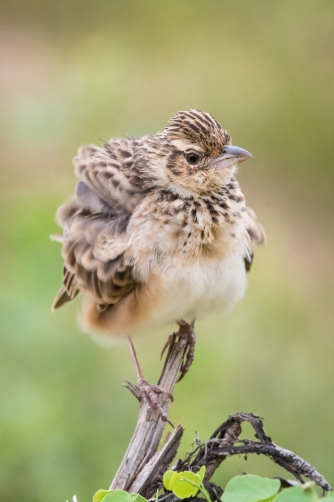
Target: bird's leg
187,332
148,391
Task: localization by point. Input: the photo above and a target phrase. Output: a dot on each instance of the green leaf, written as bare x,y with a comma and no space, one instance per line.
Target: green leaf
99,495
297,494
118,496
201,472
185,484
167,477
109,497
250,488
135,497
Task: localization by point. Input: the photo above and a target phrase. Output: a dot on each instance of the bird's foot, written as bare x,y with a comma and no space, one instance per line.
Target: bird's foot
149,394
186,334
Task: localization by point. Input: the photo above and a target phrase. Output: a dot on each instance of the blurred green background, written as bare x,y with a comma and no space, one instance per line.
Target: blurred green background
79,71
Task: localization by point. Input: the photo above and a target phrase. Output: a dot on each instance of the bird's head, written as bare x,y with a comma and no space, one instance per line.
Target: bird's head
199,155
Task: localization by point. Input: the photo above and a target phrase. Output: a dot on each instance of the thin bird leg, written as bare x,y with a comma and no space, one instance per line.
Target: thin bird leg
149,391
187,333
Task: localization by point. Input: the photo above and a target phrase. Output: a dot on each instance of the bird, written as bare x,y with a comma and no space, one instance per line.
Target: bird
157,231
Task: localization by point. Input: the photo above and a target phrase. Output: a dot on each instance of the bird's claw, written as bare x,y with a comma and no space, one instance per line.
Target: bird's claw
187,334
149,394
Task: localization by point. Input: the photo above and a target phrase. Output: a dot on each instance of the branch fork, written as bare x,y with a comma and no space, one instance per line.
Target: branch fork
143,465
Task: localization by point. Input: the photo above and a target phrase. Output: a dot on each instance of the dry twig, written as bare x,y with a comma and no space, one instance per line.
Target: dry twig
225,442
142,463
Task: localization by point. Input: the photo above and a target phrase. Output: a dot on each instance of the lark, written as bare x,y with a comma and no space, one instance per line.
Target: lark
158,231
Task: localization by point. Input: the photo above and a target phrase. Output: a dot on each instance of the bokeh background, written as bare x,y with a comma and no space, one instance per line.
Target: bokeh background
76,71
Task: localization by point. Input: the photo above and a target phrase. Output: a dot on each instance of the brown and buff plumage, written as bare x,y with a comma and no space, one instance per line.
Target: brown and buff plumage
158,229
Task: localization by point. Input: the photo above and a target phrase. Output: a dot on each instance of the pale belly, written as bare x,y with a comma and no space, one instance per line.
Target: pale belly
189,292
174,289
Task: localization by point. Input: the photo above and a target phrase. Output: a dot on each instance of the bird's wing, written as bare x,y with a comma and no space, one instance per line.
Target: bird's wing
68,291
95,240
95,243
256,234
254,228
110,172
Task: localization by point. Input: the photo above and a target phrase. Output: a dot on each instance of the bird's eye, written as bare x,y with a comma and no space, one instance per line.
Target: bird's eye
192,157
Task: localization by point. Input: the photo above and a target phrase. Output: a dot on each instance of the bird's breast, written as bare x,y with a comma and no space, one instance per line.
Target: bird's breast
190,289
197,288
194,263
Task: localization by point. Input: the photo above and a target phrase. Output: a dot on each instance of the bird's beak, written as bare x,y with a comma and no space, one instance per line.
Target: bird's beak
231,155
